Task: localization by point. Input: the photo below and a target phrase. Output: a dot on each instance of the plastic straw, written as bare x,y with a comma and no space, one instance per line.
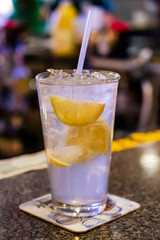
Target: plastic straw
84,45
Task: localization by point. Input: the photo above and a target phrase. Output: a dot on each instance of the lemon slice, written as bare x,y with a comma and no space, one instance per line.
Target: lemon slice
94,138
76,113
64,156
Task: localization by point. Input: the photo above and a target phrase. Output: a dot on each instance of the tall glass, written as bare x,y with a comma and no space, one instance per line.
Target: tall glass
77,114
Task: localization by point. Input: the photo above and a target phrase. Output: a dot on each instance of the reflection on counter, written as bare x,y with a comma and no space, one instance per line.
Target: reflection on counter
150,162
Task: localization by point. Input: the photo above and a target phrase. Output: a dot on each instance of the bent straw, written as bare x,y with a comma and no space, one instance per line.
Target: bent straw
84,45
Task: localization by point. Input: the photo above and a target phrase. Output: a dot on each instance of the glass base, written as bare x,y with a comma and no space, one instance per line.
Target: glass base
87,210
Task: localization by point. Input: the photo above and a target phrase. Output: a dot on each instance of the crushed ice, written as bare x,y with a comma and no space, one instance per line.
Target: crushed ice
56,72
86,74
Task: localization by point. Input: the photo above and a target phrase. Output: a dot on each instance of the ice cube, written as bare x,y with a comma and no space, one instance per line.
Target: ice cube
60,73
98,75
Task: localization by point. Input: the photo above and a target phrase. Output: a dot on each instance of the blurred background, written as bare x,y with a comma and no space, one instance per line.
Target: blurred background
40,34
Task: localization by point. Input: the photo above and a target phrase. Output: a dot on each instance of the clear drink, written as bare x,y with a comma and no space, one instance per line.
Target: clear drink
77,113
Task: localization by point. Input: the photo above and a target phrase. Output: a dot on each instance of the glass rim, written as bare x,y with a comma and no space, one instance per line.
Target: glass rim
110,77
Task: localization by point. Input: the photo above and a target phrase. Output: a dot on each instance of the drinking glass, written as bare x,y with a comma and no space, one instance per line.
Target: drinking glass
77,115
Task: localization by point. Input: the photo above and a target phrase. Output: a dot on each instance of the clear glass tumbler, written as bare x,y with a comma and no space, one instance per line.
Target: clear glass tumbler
77,114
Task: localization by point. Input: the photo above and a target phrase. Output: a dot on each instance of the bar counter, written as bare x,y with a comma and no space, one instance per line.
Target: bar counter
135,175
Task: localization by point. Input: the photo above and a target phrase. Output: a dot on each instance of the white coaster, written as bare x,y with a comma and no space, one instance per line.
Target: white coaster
42,207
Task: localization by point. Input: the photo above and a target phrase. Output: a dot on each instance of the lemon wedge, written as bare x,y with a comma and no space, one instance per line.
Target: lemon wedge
76,113
81,144
93,139
64,156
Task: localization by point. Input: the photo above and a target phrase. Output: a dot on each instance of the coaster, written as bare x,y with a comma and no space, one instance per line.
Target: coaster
116,207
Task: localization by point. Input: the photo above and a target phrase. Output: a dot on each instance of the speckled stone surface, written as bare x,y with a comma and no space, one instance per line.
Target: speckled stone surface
135,174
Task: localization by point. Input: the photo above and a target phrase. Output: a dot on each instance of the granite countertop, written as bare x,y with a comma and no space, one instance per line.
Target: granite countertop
135,174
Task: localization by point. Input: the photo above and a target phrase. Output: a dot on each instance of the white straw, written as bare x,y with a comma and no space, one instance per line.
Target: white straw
84,45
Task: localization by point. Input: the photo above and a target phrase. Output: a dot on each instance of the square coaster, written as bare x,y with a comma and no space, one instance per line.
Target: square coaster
115,207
